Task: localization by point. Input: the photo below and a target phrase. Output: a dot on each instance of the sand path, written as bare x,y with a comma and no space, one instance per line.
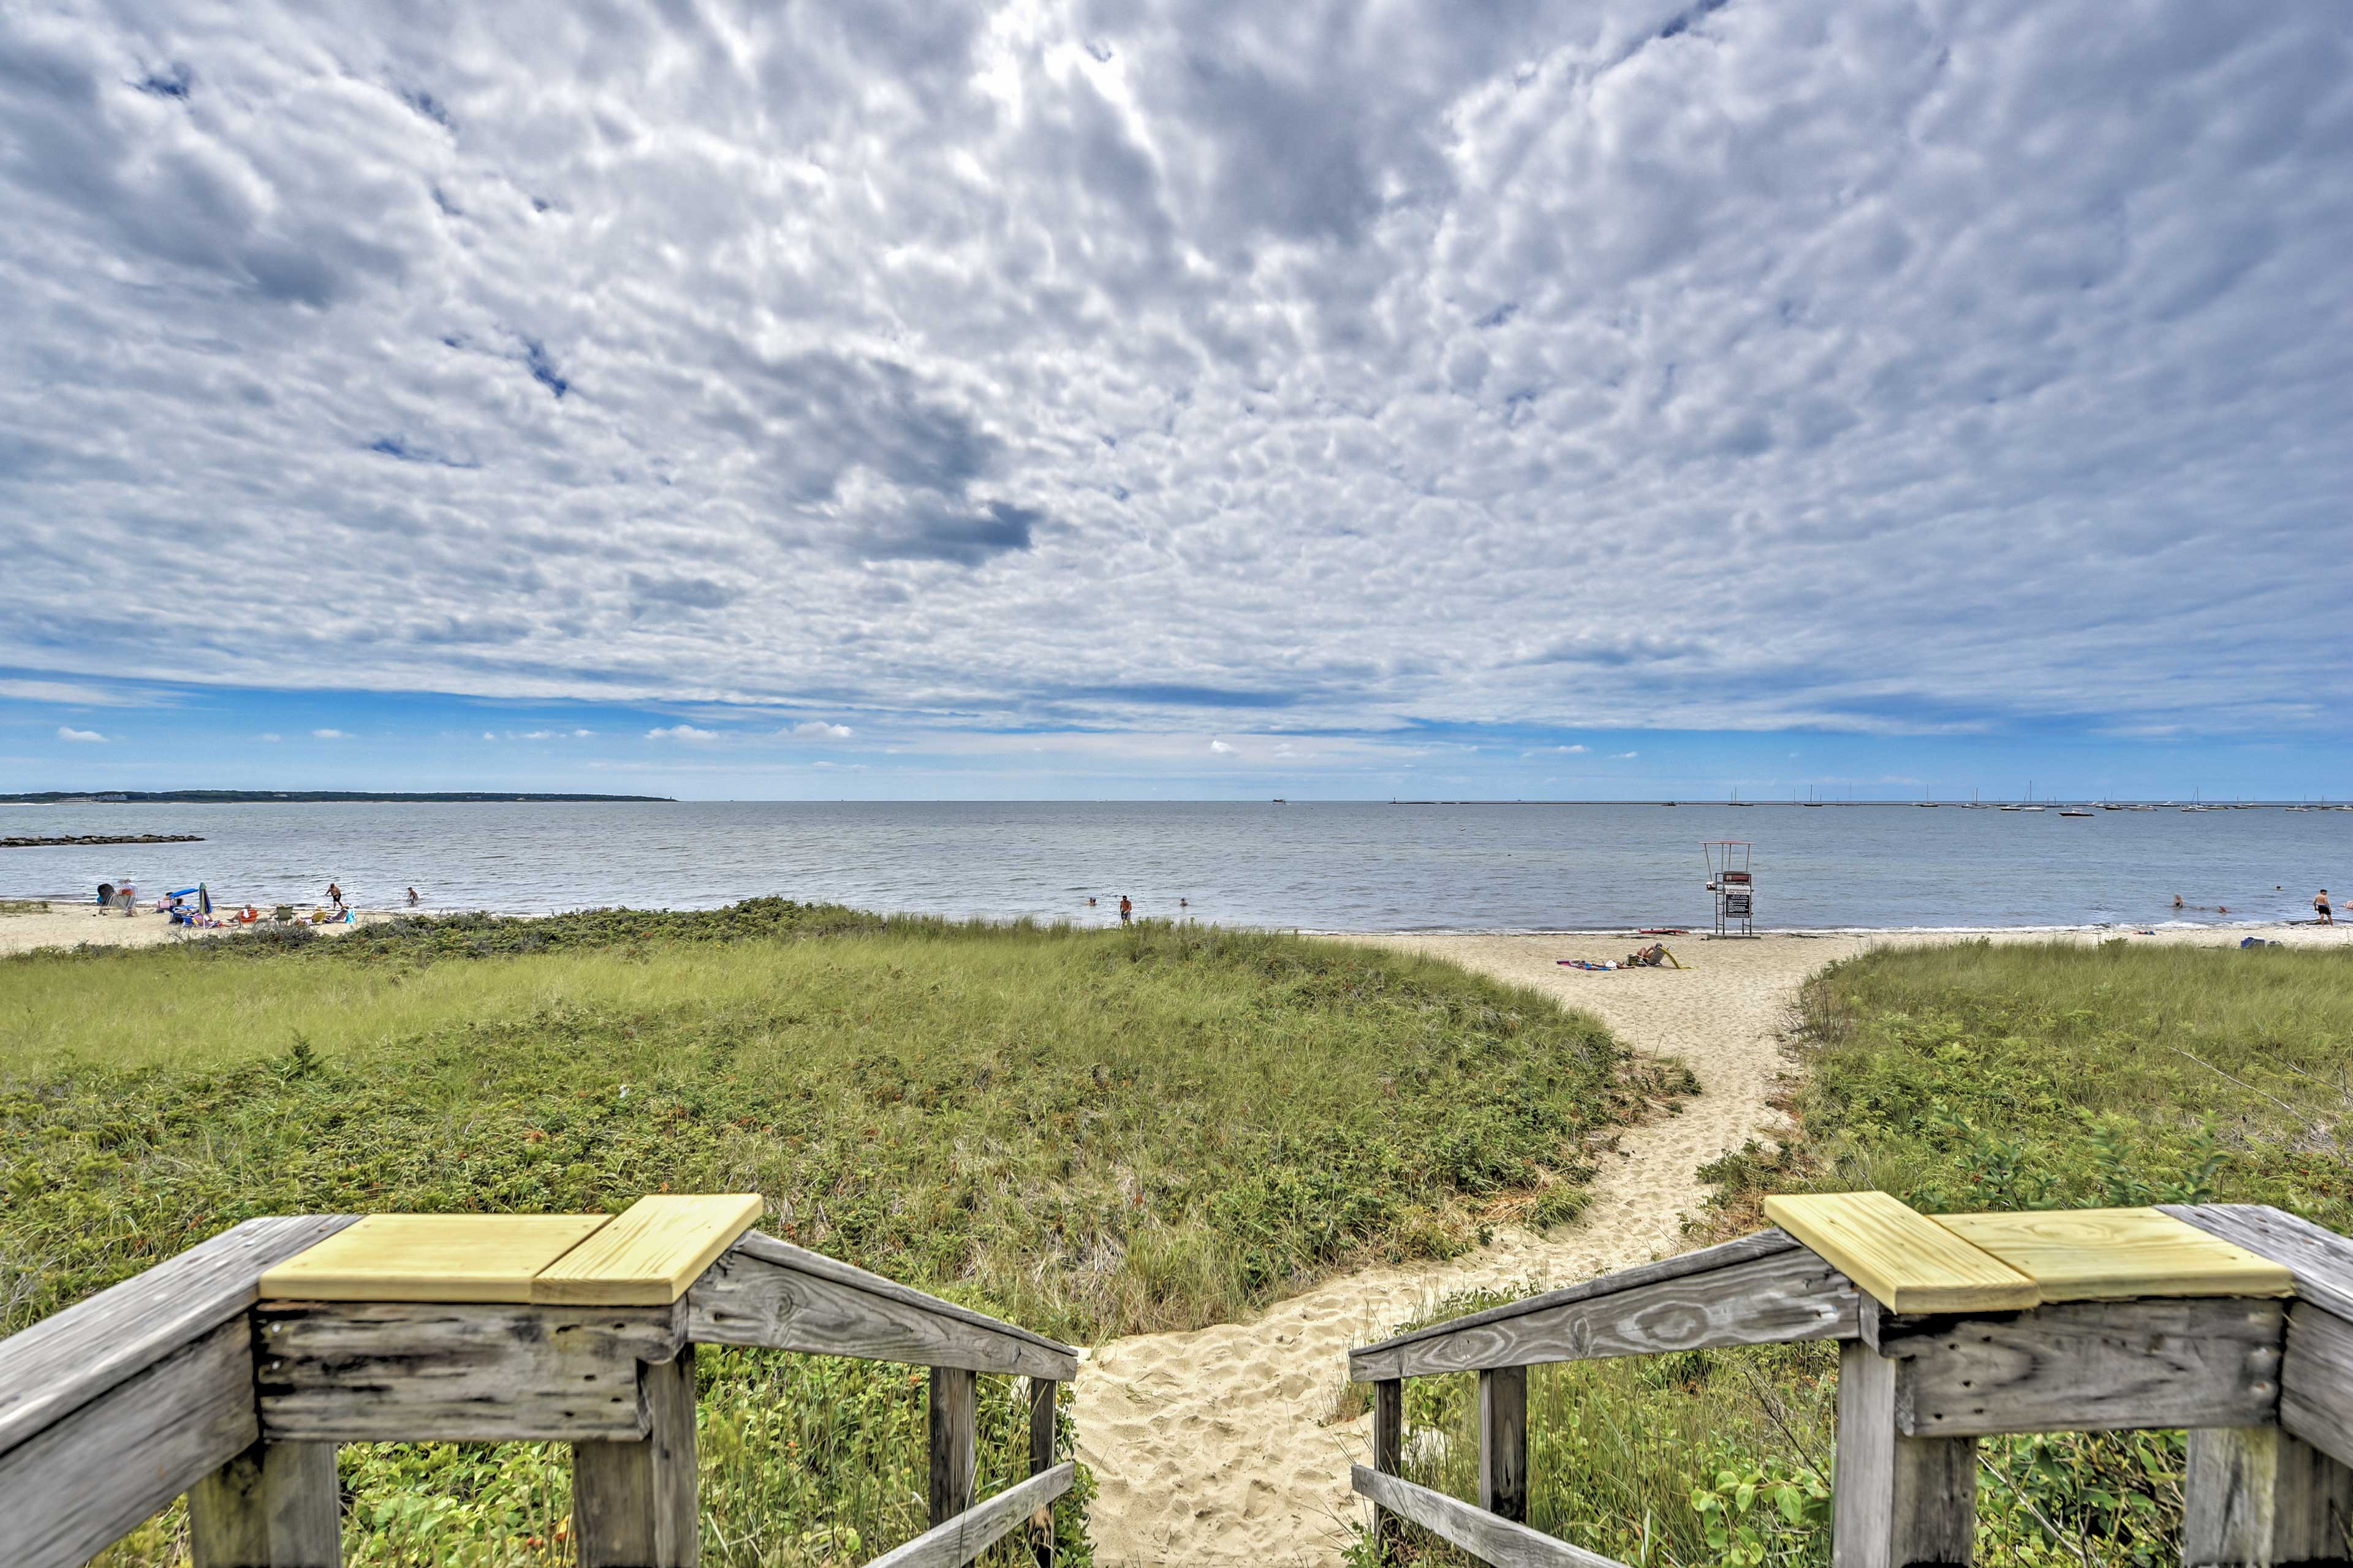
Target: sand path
1210,1445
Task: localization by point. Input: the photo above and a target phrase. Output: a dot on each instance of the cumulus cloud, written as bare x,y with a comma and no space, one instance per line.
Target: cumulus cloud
1221,747
271,738
682,732
1637,363
818,729
79,737
330,735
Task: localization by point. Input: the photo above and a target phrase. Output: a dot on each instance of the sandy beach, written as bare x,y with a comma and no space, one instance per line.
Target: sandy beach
76,925
1217,1445
1213,1447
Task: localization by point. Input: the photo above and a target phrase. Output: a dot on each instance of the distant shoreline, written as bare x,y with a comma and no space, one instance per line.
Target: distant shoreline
296,796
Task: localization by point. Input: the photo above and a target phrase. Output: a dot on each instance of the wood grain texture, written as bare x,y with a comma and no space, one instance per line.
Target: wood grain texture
1897,1502
1388,1456
649,1253
633,1504
74,1488
958,1541
2320,1259
1788,1294
2119,1254
1042,1394
464,1372
1503,1442
1904,1260
2089,1366
763,1291
955,1440
276,1505
1707,1260
66,1360
431,1257
2256,1495
1501,1542
2317,1380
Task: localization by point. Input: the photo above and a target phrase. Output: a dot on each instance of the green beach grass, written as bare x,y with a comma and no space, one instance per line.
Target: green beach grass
1091,1133
1973,1076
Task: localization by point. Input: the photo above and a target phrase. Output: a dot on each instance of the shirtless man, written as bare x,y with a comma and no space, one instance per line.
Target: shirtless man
2320,907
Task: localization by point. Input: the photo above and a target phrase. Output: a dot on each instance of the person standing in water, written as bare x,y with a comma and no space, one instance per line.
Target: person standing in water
335,897
2320,907
1126,911
412,897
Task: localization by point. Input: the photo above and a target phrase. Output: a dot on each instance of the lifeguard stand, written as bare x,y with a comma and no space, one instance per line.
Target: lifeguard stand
1728,879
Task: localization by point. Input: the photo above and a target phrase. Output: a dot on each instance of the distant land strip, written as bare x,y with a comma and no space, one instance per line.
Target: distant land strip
19,843
269,796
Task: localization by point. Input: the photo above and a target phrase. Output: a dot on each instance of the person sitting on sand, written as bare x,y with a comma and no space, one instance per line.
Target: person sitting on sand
1126,911
2320,907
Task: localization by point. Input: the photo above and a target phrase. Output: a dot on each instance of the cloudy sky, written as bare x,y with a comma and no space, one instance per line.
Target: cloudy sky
1117,397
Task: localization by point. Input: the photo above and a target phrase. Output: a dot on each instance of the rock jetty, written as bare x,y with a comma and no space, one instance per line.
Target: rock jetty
104,838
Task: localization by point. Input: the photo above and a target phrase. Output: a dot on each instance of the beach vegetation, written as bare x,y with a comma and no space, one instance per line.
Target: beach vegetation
1088,1132
1965,1076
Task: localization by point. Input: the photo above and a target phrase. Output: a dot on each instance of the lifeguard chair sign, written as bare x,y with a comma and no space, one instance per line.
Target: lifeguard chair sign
1736,891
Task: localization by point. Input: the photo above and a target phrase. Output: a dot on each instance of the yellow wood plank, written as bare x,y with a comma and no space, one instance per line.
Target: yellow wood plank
431,1257
2119,1254
1899,1258
649,1254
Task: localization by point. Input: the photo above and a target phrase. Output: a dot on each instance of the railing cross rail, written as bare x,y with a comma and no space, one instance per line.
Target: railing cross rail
186,1380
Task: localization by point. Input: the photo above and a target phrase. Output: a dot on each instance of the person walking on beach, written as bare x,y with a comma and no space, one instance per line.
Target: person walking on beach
335,897
2320,907
1126,911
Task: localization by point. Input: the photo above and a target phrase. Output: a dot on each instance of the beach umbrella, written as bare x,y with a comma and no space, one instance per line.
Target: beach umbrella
204,899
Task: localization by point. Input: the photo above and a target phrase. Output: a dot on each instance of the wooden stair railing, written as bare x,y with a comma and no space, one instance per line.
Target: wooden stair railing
2236,1322
196,1377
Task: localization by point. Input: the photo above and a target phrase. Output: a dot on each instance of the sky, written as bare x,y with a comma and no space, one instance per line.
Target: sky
887,398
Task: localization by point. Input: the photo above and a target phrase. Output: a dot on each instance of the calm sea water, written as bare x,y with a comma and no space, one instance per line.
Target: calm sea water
1332,867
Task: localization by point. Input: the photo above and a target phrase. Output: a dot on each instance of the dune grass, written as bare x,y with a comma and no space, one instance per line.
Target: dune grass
1089,1133
1973,1076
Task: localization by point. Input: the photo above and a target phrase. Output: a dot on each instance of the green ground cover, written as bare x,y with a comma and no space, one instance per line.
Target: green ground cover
1975,1076
1091,1134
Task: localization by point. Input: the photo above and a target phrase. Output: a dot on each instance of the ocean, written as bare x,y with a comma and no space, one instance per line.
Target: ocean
1328,865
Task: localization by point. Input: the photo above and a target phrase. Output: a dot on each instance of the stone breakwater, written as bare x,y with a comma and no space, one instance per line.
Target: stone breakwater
104,838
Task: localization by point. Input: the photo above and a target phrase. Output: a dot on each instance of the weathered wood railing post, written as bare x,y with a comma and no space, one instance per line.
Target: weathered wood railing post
1899,1502
633,1504
276,1505
1388,1458
2256,1496
955,1422
1042,1393
1503,1442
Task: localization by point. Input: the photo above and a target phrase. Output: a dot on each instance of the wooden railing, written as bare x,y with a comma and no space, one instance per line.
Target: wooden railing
182,1381
2265,1387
